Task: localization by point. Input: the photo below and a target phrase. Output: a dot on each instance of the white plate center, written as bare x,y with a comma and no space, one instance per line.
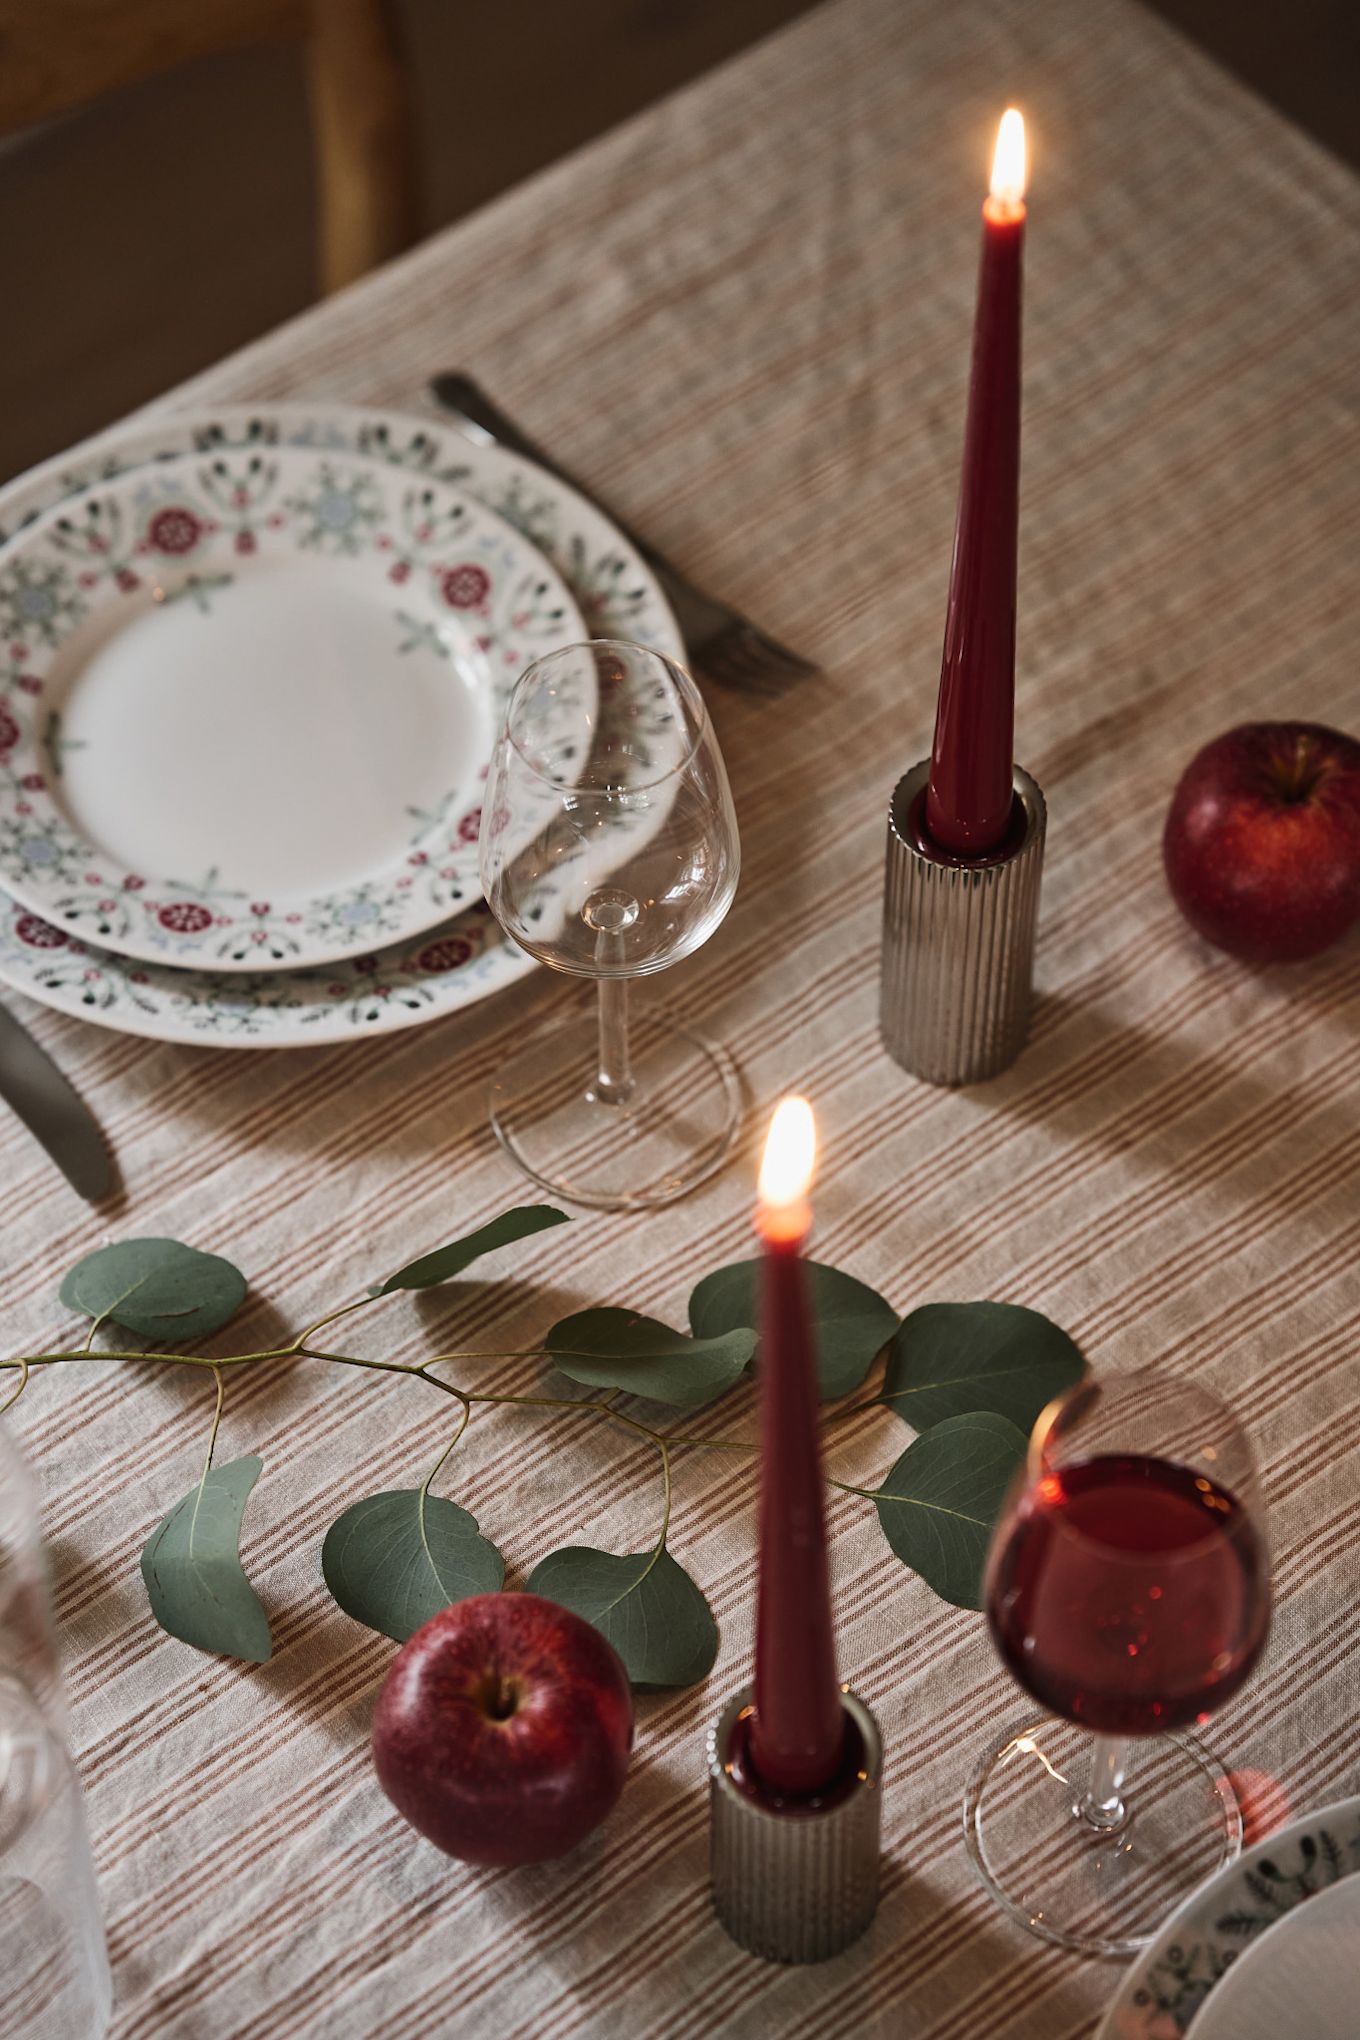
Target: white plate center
270,736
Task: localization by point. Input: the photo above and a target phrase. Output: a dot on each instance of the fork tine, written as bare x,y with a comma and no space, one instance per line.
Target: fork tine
737,654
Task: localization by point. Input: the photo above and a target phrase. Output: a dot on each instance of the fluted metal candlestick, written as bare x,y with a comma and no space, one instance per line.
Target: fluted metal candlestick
958,941
795,1884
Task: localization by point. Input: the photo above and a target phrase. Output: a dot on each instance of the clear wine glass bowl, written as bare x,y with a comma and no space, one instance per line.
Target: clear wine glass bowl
609,850
1128,1591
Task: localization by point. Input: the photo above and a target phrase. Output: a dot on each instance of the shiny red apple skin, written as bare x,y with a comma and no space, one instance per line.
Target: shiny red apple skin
1262,841
513,1787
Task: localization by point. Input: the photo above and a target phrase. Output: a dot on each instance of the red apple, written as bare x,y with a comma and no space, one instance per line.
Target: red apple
1262,843
503,1729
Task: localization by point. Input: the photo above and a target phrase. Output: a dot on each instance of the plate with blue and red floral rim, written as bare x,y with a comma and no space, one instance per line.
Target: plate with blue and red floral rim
247,701
1172,1981
404,985
392,988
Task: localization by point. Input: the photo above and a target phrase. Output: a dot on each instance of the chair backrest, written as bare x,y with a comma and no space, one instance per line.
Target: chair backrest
59,54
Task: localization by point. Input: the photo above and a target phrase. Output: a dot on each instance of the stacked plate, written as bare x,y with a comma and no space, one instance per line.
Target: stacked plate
1269,1946
252,664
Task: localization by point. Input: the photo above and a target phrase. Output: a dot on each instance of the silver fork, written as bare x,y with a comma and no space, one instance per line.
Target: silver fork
726,644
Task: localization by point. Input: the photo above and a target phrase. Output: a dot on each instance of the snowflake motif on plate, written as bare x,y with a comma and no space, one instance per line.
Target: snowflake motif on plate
41,845
339,512
38,602
368,910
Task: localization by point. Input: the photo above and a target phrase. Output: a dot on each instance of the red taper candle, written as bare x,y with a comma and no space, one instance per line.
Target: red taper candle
797,1729
970,793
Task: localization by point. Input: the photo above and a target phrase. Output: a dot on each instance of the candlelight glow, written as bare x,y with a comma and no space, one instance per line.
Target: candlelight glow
790,1155
1008,164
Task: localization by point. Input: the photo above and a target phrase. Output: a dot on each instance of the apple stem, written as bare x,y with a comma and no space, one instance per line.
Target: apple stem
499,1696
1298,776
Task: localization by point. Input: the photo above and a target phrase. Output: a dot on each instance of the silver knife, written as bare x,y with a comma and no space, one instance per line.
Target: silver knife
35,1089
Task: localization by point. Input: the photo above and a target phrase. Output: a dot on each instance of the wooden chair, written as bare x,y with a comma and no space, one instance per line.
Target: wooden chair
60,54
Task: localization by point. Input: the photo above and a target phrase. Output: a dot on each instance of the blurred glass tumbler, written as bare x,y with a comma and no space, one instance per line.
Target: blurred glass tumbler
54,1973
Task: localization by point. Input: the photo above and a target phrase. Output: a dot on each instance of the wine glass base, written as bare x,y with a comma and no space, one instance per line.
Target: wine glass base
675,1129
1098,1892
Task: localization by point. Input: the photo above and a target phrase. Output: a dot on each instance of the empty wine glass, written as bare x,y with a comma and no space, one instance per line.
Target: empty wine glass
609,851
1128,1590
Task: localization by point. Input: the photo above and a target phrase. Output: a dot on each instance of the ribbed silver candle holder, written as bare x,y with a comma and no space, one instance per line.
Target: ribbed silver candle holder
958,944
795,1886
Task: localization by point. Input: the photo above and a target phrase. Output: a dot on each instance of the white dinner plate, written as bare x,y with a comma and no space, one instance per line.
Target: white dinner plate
1301,1978
1171,1986
396,986
247,703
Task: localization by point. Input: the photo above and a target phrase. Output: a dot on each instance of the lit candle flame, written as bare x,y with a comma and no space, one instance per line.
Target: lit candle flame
786,1169
1008,164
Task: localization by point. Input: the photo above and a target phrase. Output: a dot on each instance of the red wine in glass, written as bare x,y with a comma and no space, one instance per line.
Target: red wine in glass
1128,1590
1129,1594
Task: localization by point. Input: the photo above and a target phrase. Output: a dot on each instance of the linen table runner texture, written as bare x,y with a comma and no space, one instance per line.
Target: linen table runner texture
745,316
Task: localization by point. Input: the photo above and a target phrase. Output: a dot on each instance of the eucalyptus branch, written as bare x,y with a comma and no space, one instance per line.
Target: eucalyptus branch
968,1377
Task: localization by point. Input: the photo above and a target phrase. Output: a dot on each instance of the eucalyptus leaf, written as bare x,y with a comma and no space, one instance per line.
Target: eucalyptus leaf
395,1559
853,1322
446,1262
938,1504
948,1358
192,1568
617,1349
159,1289
648,1606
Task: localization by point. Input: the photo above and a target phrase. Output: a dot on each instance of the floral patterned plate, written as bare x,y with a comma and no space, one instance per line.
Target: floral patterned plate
394,988
402,986
1300,1977
1171,1980
247,701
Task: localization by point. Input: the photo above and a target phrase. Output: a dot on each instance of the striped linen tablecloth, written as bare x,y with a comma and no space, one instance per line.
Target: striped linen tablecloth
745,316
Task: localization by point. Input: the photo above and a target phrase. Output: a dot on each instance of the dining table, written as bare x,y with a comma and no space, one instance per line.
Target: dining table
743,317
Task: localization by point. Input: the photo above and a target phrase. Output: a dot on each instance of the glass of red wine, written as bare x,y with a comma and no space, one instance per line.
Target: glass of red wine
1128,1590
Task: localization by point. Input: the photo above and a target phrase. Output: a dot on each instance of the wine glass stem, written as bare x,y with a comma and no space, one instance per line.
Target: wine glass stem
614,1080
1102,1804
